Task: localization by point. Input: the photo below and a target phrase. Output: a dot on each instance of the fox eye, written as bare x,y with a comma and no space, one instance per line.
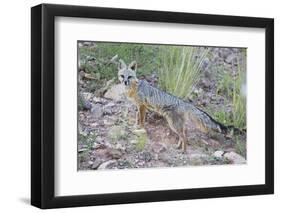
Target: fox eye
122,76
129,77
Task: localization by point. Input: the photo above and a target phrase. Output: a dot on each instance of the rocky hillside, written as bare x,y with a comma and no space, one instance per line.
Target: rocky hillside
109,140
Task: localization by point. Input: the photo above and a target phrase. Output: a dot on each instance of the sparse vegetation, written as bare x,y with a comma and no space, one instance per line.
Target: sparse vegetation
233,88
117,133
95,60
141,141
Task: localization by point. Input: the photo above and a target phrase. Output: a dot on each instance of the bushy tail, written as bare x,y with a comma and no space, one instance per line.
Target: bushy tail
206,123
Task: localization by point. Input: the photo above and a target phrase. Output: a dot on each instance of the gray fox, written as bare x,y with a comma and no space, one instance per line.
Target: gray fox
175,110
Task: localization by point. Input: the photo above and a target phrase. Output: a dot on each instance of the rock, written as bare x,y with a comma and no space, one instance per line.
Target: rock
108,111
108,165
205,63
235,158
110,104
145,156
134,141
198,156
218,154
87,105
82,150
101,92
98,139
158,147
98,146
116,92
87,96
232,157
96,164
166,158
120,147
108,122
224,52
97,111
231,59
98,100
90,162
206,83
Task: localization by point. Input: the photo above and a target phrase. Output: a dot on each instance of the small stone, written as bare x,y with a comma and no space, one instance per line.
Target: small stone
120,147
218,154
116,92
82,150
205,63
96,164
134,141
110,104
206,83
87,96
98,100
235,158
108,122
97,111
107,165
198,156
90,162
87,105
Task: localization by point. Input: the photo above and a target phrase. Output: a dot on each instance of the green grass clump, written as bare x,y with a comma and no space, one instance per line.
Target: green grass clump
180,68
233,88
141,141
117,133
225,83
223,117
239,98
240,146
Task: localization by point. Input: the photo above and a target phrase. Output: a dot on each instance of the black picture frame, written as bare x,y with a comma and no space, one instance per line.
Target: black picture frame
43,102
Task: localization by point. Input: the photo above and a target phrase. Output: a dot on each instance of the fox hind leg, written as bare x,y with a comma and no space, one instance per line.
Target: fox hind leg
176,123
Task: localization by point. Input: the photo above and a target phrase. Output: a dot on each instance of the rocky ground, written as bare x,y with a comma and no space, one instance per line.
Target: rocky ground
108,139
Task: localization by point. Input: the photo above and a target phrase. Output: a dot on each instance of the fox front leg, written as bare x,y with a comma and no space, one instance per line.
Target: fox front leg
142,115
138,117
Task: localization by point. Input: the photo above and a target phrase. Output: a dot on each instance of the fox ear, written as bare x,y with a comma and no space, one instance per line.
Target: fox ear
121,64
133,66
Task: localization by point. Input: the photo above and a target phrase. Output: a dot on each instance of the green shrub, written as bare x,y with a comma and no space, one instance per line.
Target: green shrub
239,98
180,68
232,87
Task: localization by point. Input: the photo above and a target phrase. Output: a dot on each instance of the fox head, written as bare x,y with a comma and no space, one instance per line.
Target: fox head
127,74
